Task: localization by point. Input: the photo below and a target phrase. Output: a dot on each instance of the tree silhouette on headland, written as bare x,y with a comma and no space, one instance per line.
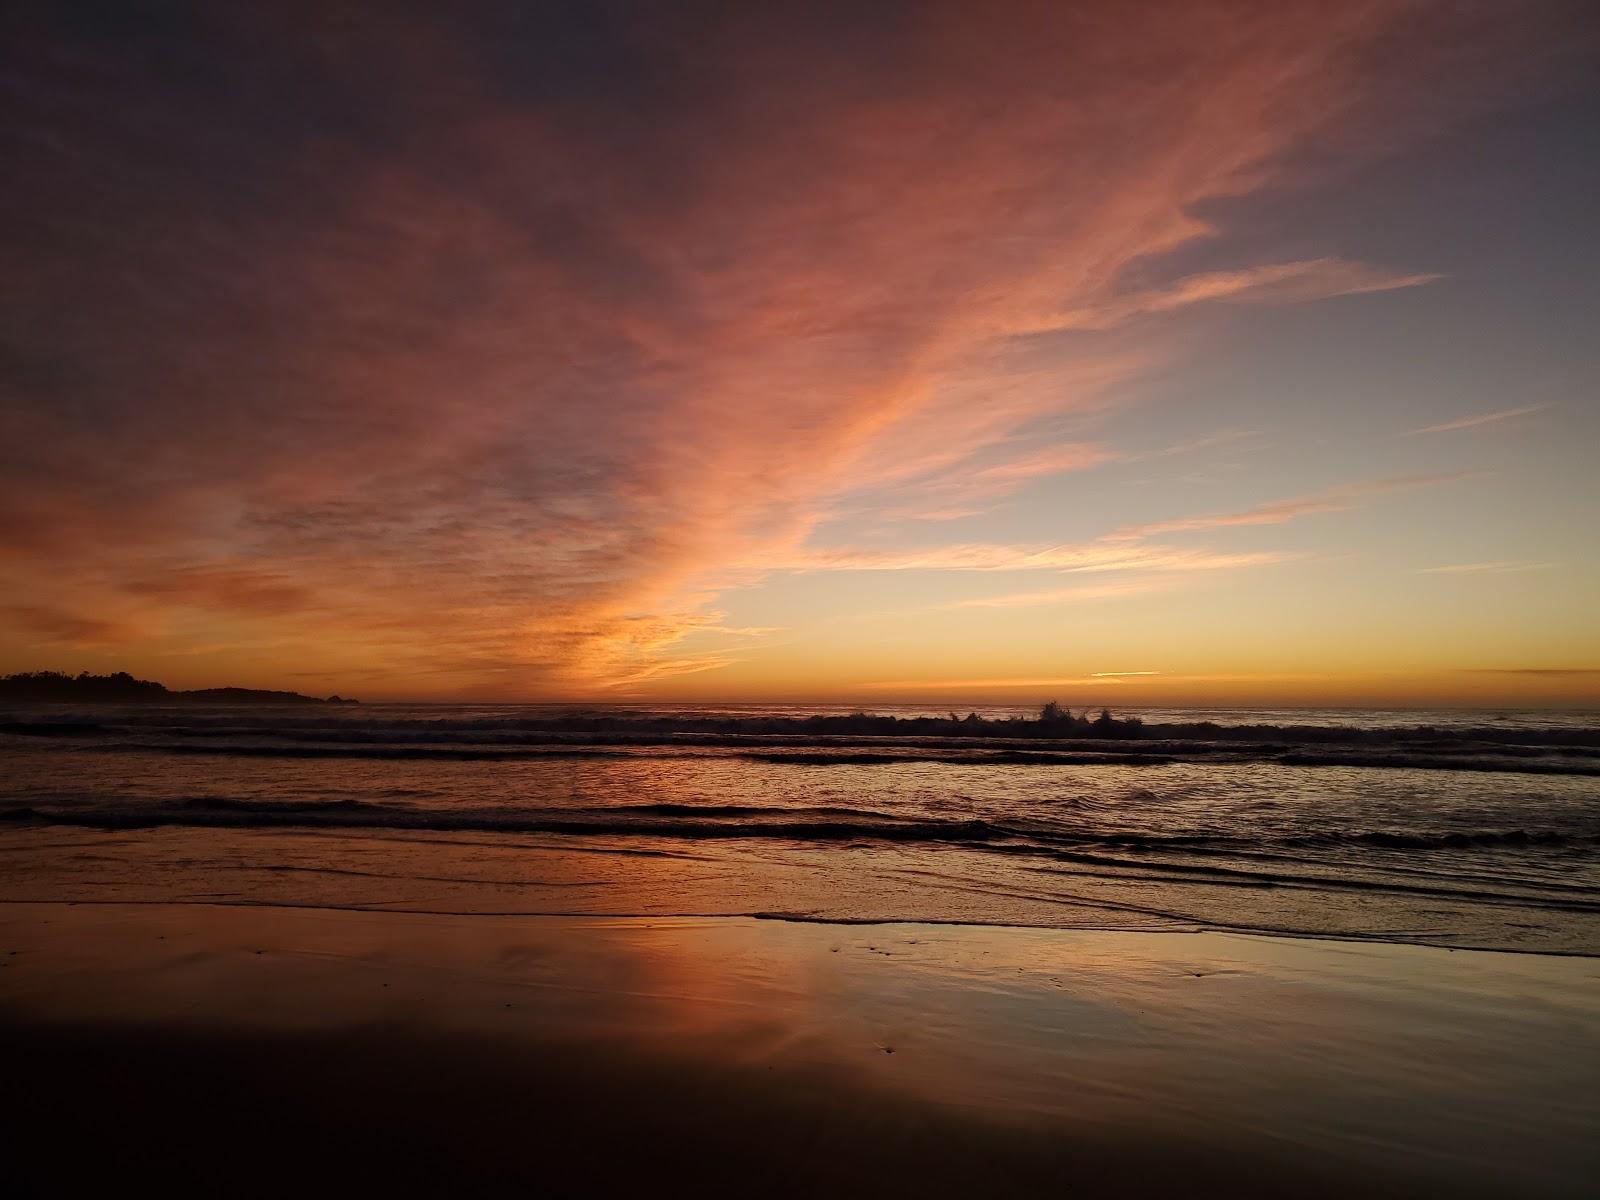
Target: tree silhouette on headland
122,688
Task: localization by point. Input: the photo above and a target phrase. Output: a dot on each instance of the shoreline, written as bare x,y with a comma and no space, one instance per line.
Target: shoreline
781,918
925,1057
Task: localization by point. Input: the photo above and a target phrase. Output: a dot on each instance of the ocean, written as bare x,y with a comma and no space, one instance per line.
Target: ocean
1450,828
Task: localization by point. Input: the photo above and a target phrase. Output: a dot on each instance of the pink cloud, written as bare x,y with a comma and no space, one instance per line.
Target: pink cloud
384,350
1336,499
1104,555
1073,595
1274,283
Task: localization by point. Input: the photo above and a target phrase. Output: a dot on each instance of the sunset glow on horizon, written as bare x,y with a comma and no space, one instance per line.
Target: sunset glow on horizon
1126,354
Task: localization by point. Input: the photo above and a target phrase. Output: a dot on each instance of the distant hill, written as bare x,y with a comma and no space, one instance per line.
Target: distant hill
122,688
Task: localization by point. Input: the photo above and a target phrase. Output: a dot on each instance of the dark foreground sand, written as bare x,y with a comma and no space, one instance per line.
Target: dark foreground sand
240,1051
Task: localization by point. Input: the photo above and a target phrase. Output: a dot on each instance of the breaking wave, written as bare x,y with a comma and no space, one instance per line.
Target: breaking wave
819,824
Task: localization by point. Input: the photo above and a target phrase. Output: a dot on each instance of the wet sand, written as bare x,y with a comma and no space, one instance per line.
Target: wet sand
249,1050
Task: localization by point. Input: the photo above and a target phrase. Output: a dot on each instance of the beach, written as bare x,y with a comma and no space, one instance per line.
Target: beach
472,949
251,1048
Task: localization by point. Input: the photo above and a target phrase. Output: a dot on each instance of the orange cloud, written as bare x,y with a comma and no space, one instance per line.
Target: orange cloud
982,685
965,489
482,364
1485,568
1086,557
230,589
70,629
1337,499
1073,595
1275,283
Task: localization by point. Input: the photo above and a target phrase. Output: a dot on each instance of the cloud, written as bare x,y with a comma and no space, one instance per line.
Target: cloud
666,668
964,489
980,556
71,629
1009,474
935,514
483,350
1228,437
1555,672
1072,595
981,684
232,589
1485,568
1476,422
1274,283
1336,499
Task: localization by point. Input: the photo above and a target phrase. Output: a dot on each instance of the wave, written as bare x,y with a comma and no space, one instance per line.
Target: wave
795,739
53,728
542,752
1564,761
1516,763
385,753
691,821
1495,870
511,724
1457,840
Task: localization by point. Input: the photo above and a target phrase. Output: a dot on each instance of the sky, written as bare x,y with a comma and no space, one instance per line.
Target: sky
1124,353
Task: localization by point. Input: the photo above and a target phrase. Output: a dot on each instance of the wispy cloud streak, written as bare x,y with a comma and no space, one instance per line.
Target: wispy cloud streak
1485,568
1275,283
1085,557
1053,596
1480,420
1337,499
979,685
